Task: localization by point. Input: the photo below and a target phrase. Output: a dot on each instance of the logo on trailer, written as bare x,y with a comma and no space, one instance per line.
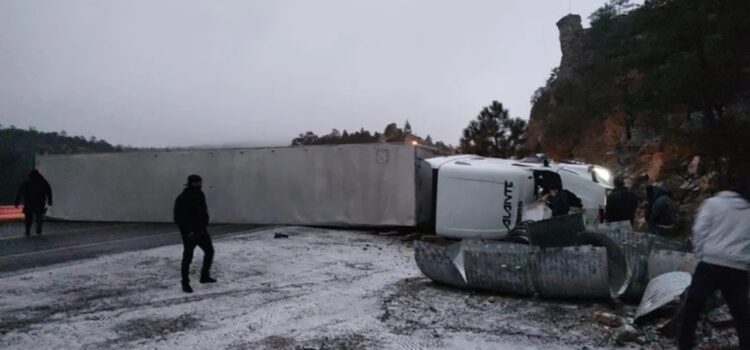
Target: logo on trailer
382,156
507,204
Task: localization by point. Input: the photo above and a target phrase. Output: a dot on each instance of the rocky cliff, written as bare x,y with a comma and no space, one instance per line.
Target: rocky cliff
650,93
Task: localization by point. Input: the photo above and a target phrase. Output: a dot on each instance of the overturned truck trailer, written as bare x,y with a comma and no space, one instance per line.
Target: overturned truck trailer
346,185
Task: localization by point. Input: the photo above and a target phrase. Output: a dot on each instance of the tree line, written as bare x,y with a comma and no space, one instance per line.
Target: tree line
493,133
18,149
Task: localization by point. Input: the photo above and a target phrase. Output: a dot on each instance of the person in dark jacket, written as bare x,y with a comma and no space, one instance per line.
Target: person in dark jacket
649,206
621,203
663,212
721,244
35,192
191,216
560,200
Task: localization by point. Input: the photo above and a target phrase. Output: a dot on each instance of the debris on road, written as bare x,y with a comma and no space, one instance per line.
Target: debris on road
411,237
278,235
627,334
563,259
720,317
663,291
647,255
608,319
389,233
569,272
612,262
664,261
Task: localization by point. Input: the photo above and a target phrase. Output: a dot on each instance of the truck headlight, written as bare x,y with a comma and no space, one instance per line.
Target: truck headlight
604,174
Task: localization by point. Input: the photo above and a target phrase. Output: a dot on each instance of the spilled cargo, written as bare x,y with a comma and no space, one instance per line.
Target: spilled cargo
663,290
573,265
559,258
561,272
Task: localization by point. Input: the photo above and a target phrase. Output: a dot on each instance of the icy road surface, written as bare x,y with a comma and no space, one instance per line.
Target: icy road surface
317,289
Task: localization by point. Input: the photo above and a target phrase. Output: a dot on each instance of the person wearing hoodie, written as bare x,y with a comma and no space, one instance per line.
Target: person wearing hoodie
191,216
661,218
721,243
35,192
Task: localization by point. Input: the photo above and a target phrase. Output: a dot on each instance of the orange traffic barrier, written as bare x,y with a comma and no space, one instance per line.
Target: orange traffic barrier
9,212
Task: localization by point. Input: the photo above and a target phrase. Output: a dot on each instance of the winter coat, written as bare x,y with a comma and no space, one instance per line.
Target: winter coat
35,191
190,209
559,204
721,232
664,210
621,205
562,202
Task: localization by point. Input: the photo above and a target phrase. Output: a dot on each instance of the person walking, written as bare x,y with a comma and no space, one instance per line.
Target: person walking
721,243
191,216
35,192
621,203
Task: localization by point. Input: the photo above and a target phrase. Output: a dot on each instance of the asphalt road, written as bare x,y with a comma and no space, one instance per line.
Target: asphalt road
68,241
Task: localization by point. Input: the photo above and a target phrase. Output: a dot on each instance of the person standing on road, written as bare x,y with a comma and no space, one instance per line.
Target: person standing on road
721,243
35,191
191,216
621,203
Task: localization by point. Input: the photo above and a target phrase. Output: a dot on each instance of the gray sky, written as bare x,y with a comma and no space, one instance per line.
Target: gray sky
180,73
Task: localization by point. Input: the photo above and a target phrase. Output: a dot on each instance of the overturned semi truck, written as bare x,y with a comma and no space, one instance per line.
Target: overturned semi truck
477,199
338,185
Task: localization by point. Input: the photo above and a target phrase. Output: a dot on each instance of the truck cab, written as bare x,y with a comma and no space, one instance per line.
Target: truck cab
480,197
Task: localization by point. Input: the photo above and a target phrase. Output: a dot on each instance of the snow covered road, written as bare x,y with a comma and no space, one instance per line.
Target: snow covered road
316,289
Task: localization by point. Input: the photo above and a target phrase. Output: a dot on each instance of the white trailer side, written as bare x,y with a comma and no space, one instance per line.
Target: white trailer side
346,185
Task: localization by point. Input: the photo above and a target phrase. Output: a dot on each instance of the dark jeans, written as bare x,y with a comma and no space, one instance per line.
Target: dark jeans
733,284
29,219
191,239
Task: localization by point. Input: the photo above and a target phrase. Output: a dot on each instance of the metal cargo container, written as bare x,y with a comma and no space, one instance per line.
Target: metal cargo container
346,185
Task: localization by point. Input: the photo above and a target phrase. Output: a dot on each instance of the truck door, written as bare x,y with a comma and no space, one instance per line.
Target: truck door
543,179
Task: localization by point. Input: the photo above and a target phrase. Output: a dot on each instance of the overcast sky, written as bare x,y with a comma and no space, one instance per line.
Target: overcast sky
182,73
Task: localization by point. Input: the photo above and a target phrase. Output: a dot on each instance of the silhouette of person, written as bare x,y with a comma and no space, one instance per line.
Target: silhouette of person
191,216
35,192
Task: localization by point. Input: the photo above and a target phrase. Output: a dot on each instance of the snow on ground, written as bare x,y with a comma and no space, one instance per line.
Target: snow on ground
316,289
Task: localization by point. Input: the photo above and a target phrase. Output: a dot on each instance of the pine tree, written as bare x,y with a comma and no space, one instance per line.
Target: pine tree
493,133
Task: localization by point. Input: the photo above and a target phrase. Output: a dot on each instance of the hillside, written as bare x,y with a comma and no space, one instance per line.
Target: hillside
19,147
660,93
